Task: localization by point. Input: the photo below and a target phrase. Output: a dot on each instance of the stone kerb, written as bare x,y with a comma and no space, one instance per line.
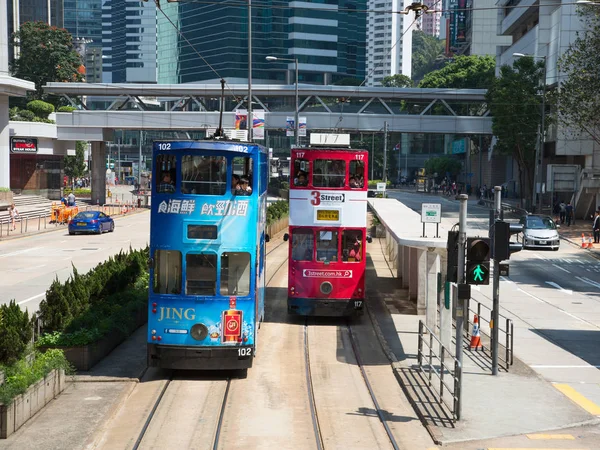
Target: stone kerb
416,259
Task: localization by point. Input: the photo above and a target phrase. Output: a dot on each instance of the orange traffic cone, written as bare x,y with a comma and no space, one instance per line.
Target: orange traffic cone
476,336
591,242
583,242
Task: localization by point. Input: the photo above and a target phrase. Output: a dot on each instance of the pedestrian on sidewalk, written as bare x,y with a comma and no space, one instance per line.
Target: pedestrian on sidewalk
14,215
596,227
569,213
562,212
556,211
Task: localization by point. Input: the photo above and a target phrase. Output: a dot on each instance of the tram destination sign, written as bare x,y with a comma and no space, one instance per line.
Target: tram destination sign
328,214
431,212
23,145
310,273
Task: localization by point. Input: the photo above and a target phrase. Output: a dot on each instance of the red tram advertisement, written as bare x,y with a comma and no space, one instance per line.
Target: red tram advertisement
327,231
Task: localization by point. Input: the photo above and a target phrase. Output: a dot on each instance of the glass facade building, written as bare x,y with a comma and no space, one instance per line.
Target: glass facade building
329,41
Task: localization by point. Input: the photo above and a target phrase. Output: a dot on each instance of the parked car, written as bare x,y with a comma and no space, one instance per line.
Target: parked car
540,232
91,222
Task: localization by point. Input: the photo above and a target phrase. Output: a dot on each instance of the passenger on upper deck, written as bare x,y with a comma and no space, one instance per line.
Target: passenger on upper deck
353,183
235,184
301,179
245,188
166,185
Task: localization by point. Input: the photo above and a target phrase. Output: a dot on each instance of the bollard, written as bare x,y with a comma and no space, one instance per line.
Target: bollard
26,224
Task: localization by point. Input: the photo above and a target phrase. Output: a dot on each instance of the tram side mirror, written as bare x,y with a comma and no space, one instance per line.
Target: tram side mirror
286,237
267,238
369,239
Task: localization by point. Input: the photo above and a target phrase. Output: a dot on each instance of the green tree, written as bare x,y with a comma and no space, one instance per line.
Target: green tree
577,100
427,53
463,72
75,165
399,80
442,165
46,54
515,106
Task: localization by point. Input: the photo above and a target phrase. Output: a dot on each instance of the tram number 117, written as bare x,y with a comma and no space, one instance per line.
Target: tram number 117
358,304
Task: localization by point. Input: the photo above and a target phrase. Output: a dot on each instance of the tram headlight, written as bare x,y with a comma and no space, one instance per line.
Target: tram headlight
326,288
199,331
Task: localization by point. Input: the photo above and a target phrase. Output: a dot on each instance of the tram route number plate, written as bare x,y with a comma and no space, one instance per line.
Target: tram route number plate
328,214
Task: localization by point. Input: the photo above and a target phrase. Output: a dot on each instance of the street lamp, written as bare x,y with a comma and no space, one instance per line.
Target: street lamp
539,154
296,124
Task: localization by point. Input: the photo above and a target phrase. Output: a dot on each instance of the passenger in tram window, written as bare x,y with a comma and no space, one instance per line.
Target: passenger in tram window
353,183
245,186
301,180
352,245
166,185
235,184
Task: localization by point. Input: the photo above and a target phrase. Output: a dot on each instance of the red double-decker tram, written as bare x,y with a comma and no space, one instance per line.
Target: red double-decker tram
327,231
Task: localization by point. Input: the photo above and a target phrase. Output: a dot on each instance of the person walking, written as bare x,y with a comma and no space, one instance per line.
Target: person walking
14,215
562,211
569,213
596,227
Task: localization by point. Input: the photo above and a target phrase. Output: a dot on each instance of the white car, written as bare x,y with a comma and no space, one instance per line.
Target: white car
540,232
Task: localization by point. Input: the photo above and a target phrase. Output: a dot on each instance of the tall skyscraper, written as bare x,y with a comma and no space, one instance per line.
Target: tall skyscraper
327,40
389,40
128,41
430,23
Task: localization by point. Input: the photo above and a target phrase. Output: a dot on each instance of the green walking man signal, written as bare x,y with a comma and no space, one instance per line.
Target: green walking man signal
478,260
477,273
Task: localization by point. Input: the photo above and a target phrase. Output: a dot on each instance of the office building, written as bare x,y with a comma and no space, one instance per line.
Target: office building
327,40
389,40
430,23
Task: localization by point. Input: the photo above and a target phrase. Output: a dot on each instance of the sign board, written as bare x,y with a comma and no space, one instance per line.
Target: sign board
380,187
562,177
23,145
431,212
330,139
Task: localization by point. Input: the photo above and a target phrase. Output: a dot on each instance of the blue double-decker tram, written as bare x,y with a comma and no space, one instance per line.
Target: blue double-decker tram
207,254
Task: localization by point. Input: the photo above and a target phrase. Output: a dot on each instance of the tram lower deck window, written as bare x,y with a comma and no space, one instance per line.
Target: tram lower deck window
167,272
235,273
352,245
302,245
327,246
201,274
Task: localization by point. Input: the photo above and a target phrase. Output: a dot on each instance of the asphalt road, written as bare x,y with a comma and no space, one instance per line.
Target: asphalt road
29,265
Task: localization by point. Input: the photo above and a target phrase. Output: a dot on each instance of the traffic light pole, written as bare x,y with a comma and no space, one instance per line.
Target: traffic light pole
461,308
496,288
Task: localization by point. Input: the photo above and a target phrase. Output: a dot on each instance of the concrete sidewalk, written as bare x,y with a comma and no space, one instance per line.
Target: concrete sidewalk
512,403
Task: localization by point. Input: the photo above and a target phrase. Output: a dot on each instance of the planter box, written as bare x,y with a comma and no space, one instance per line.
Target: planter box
83,358
6,199
276,227
25,406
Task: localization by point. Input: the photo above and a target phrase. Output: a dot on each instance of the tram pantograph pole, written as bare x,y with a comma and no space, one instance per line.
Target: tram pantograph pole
461,305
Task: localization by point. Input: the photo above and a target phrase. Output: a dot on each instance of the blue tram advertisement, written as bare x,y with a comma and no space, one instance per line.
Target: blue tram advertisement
207,254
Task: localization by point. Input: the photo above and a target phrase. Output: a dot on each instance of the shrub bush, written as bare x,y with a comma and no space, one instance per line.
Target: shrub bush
66,109
277,210
79,192
373,183
285,185
25,115
15,332
40,108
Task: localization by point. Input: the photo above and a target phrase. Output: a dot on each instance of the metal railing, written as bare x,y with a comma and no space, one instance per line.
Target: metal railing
508,332
443,370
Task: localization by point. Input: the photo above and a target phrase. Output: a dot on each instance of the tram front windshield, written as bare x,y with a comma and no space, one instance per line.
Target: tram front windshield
324,245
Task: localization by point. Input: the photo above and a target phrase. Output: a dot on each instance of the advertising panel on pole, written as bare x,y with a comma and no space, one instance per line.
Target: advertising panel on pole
301,126
258,124
289,126
241,119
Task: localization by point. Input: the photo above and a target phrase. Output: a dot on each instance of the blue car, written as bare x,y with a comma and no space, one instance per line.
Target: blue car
91,222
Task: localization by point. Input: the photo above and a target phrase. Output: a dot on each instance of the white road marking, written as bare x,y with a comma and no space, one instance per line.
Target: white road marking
531,295
588,281
31,298
541,366
538,256
18,252
561,268
475,287
507,280
557,286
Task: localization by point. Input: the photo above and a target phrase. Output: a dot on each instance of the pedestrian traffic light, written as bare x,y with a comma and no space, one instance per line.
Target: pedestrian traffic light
452,260
503,247
478,260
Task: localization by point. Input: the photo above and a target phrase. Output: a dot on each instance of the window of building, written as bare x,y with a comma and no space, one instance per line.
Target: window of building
167,272
352,245
329,173
166,167
235,273
301,172
356,177
241,179
327,249
203,175
302,245
201,274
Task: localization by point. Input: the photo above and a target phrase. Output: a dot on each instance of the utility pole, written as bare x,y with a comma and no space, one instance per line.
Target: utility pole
372,155
119,159
496,287
461,306
385,128
250,120
140,160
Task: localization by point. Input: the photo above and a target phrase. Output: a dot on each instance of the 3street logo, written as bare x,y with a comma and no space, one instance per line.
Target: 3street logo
319,198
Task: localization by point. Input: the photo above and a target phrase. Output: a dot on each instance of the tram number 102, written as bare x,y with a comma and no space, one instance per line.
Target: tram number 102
245,351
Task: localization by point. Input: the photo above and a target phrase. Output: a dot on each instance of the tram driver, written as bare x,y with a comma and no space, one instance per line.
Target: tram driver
166,185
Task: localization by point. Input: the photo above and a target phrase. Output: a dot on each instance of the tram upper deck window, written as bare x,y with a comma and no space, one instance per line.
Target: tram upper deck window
241,176
356,178
201,274
302,245
166,168
329,173
352,245
327,246
167,272
235,273
301,172
203,175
